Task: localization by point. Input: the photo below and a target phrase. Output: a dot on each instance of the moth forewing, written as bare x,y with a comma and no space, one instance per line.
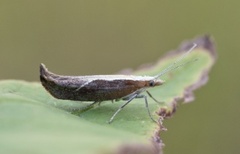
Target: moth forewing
93,88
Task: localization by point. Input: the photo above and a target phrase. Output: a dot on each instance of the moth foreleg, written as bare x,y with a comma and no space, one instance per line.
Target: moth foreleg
150,95
146,103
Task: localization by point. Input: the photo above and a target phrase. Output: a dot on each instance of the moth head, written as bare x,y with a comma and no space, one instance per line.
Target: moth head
155,82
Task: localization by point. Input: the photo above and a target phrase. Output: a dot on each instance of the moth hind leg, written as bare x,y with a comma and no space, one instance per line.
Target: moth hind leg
83,109
87,107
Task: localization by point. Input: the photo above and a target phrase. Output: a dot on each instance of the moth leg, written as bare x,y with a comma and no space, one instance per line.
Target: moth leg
126,98
150,95
83,109
90,105
146,102
121,107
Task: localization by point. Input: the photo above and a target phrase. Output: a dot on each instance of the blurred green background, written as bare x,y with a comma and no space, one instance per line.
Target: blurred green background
103,37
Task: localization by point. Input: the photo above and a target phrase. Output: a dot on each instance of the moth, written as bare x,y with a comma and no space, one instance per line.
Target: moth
98,88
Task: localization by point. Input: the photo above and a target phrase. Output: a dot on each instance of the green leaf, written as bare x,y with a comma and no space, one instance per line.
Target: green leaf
32,121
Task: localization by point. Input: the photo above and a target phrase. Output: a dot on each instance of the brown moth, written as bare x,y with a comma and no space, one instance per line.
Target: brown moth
98,88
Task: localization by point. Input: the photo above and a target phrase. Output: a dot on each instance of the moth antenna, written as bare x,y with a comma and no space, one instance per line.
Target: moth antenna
173,65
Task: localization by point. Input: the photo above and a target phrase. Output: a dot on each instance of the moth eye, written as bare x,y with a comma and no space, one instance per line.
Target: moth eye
151,83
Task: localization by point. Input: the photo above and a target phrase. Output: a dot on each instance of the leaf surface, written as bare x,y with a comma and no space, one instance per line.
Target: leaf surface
32,120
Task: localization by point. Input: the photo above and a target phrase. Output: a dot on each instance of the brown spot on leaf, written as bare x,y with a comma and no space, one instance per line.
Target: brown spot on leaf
140,149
